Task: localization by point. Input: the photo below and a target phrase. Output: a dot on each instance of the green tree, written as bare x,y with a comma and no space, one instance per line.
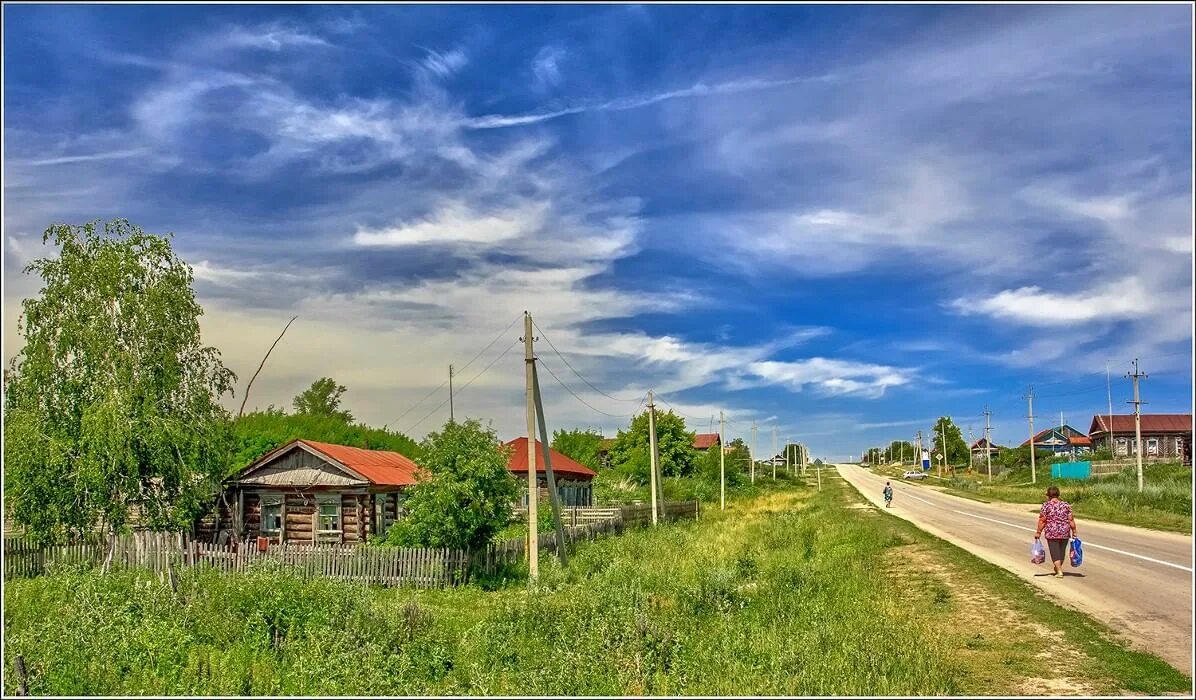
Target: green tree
256,433
466,495
578,445
113,403
736,462
631,452
322,398
957,448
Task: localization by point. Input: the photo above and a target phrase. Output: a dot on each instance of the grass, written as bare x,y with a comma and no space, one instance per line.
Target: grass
1164,504
787,592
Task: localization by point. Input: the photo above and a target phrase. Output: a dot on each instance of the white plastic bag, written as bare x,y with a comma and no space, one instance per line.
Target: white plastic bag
1037,553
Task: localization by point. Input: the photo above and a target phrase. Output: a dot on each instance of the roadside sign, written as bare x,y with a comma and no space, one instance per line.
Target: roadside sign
925,460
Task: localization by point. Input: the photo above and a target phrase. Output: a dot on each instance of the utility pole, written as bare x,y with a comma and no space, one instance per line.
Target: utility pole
1137,375
918,451
753,452
1033,469
652,449
722,462
451,394
774,452
533,487
942,464
1109,391
988,441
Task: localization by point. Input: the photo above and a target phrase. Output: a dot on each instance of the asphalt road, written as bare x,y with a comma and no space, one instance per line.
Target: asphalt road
1137,581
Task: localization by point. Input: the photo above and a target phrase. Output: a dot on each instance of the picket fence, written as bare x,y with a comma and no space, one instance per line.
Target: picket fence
165,552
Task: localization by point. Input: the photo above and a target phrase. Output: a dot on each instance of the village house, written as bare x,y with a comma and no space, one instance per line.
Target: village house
574,481
313,492
1062,439
1165,435
982,447
704,441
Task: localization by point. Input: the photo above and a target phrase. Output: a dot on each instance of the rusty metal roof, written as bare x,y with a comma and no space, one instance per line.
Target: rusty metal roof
560,463
1151,423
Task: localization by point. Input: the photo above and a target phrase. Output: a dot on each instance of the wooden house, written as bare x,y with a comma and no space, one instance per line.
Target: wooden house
574,481
1062,439
307,491
982,451
704,441
1165,435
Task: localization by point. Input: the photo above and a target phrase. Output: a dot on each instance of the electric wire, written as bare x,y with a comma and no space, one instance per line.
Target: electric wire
574,394
466,386
467,364
574,369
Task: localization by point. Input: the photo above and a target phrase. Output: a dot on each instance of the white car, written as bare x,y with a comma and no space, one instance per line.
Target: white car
913,475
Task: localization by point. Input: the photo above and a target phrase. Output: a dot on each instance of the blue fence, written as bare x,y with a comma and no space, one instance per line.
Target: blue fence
1071,470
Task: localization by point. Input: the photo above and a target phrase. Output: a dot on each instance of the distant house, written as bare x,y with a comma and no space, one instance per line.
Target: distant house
1166,435
704,441
574,481
308,491
1062,439
980,448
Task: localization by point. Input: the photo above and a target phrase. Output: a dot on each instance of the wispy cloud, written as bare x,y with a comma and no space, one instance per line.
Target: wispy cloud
500,121
444,64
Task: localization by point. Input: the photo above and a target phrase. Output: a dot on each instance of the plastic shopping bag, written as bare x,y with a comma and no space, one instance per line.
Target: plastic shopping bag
1077,552
1037,553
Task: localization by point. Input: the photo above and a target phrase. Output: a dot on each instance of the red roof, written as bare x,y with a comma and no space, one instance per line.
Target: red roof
1151,423
704,441
380,467
560,463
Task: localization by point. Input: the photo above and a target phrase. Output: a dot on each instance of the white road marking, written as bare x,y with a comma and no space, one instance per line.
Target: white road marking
1030,529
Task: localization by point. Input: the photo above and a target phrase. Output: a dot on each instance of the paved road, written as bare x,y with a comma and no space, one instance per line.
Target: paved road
1137,581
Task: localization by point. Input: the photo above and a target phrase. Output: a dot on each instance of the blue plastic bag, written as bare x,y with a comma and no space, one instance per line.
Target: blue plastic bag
1077,552
1037,553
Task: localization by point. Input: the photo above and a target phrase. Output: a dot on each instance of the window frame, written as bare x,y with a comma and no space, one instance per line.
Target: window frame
268,503
320,516
1152,446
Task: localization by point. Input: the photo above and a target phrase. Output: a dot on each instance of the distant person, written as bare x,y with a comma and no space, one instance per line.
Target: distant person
1055,520
888,492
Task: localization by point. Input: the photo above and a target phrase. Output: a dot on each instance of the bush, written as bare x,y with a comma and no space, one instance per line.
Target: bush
465,497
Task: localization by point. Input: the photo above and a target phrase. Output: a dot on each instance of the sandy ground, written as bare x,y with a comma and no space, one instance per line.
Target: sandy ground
1137,581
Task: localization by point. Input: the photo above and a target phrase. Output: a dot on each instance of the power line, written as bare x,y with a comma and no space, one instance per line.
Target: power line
471,381
574,394
467,364
574,369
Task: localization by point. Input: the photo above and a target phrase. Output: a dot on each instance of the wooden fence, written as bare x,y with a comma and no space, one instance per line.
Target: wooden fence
388,566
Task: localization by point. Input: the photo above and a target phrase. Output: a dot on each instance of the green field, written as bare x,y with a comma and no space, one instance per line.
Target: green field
787,592
1164,504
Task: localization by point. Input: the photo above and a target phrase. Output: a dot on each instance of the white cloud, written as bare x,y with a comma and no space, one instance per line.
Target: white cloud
269,38
444,64
832,376
546,66
1127,298
457,222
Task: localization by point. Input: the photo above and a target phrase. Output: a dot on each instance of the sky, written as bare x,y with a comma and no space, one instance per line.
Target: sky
836,222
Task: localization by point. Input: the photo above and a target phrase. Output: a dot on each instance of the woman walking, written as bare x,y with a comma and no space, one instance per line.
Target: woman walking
1056,521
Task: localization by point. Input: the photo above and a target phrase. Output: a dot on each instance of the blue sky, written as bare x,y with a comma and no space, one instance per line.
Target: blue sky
839,221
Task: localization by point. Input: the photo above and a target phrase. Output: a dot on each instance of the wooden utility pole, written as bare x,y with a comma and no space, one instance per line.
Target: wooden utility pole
554,497
1033,468
652,450
753,452
774,452
451,420
533,486
988,441
722,461
1137,375
943,430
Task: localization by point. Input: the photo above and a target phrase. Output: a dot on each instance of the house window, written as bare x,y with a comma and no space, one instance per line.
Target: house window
1152,446
330,515
1179,446
380,514
272,515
